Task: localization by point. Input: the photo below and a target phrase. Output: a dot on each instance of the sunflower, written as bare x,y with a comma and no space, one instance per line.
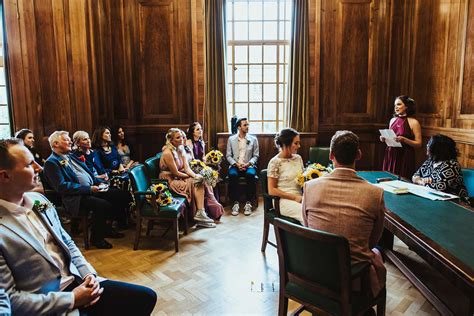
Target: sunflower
158,188
300,179
215,159
313,174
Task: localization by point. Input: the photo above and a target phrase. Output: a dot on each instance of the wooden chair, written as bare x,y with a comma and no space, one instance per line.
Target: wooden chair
468,175
151,211
271,208
319,155
315,271
152,165
55,198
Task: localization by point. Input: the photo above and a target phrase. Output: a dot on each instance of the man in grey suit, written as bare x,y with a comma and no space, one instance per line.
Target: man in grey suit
41,269
242,155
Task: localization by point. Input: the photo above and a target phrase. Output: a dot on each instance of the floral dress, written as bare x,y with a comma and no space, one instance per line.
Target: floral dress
287,171
446,176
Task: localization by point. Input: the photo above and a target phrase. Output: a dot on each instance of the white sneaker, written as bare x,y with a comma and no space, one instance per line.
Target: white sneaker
248,208
235,209
206,225
201,216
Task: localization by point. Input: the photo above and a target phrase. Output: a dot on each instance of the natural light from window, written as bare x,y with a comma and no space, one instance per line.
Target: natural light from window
258,40
5,128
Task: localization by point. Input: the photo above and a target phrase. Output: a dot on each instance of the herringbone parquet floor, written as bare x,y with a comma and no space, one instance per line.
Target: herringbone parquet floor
221,271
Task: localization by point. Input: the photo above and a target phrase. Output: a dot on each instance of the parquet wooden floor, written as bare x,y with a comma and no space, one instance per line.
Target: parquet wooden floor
221,271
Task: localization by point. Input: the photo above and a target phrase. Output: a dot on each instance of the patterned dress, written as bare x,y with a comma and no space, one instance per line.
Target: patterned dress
446,176
286,171
400,160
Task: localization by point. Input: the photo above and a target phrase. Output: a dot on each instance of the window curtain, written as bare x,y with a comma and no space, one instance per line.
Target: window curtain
299,114
215,110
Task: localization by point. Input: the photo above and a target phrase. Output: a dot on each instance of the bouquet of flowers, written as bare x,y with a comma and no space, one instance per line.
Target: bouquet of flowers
208,175
163,194
312,171
214,156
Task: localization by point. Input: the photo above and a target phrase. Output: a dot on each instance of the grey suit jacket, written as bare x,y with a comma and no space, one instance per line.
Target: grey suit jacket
27,271
251,153
4,304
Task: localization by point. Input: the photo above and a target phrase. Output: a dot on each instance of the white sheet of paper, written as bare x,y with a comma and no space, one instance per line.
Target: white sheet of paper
415,189
390,135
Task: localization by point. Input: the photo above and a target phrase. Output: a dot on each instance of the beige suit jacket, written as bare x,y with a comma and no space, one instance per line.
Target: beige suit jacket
344,204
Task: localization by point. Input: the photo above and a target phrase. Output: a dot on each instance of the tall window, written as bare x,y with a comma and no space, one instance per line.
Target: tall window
5,121
258,40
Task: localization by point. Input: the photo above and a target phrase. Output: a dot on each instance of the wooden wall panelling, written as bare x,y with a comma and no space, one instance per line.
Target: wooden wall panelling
466,101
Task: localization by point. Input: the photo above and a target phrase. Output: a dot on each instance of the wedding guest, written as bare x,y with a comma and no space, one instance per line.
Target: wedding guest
181,179
29,140
107,151
41,269
82,149
344,204
123,147
282,171
242,155
401,160
187,151
442,171
195,141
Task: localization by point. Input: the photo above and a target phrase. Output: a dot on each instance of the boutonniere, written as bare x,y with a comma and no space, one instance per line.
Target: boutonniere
82,158
41,207
64,163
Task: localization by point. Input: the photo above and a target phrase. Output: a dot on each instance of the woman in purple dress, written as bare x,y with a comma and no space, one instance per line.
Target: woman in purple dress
401,160
196,144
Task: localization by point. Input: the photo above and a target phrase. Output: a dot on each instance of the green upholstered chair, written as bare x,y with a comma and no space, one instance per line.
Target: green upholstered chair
315,271
319,155
152,165
271,208
151,211
55,198
468,175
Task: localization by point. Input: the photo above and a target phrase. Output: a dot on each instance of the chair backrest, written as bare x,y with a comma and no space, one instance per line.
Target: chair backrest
468,175
267,202
140,182
313,260
319,155
153,167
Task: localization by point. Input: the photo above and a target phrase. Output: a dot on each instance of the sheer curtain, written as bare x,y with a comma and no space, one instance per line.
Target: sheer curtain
215,112
298,87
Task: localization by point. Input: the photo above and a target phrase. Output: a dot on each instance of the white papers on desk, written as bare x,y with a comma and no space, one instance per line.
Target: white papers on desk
389,136
422,191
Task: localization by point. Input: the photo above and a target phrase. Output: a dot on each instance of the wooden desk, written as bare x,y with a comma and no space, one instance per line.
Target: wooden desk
440,232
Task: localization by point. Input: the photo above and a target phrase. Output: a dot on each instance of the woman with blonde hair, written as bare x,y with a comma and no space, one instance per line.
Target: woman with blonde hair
181,179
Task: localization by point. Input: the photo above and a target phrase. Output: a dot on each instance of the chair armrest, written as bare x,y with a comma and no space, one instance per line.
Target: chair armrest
276,203
359,269
273,197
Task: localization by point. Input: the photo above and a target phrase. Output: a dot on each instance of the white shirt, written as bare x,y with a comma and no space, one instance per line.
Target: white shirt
242,149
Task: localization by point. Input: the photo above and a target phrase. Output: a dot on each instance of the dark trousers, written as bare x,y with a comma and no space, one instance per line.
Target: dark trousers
250,188
120,298
101,210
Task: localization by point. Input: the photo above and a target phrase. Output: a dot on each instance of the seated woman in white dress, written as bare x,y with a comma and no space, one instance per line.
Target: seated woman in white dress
283,169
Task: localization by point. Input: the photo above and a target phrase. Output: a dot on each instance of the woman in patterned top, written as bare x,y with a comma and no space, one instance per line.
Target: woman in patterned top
441,171
283,170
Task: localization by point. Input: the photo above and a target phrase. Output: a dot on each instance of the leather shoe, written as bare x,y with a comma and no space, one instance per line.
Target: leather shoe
112,233
101,244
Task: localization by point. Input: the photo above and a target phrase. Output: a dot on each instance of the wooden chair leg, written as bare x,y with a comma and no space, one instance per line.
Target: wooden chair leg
186,222
266,228
85,231
381,305
282,305
138,231
176,235
149,227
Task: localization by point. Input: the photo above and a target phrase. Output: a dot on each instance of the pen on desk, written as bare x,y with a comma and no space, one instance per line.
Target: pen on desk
439,194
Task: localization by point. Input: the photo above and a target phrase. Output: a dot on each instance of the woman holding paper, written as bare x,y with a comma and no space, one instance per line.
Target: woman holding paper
401,160
441,171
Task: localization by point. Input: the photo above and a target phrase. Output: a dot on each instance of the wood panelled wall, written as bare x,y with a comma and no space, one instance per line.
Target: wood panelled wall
75,64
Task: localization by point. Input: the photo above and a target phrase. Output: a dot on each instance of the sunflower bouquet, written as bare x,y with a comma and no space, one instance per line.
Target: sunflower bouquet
312,171
208,175
163,195
214,157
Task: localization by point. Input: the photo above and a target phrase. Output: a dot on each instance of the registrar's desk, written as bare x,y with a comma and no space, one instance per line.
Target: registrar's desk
440,232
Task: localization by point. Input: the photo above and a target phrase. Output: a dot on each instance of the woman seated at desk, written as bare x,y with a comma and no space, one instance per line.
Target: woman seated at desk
441,171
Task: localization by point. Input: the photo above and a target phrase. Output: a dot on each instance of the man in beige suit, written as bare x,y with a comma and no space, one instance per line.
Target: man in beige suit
344,204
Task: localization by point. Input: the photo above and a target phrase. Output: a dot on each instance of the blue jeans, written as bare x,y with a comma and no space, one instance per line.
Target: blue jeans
250,188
